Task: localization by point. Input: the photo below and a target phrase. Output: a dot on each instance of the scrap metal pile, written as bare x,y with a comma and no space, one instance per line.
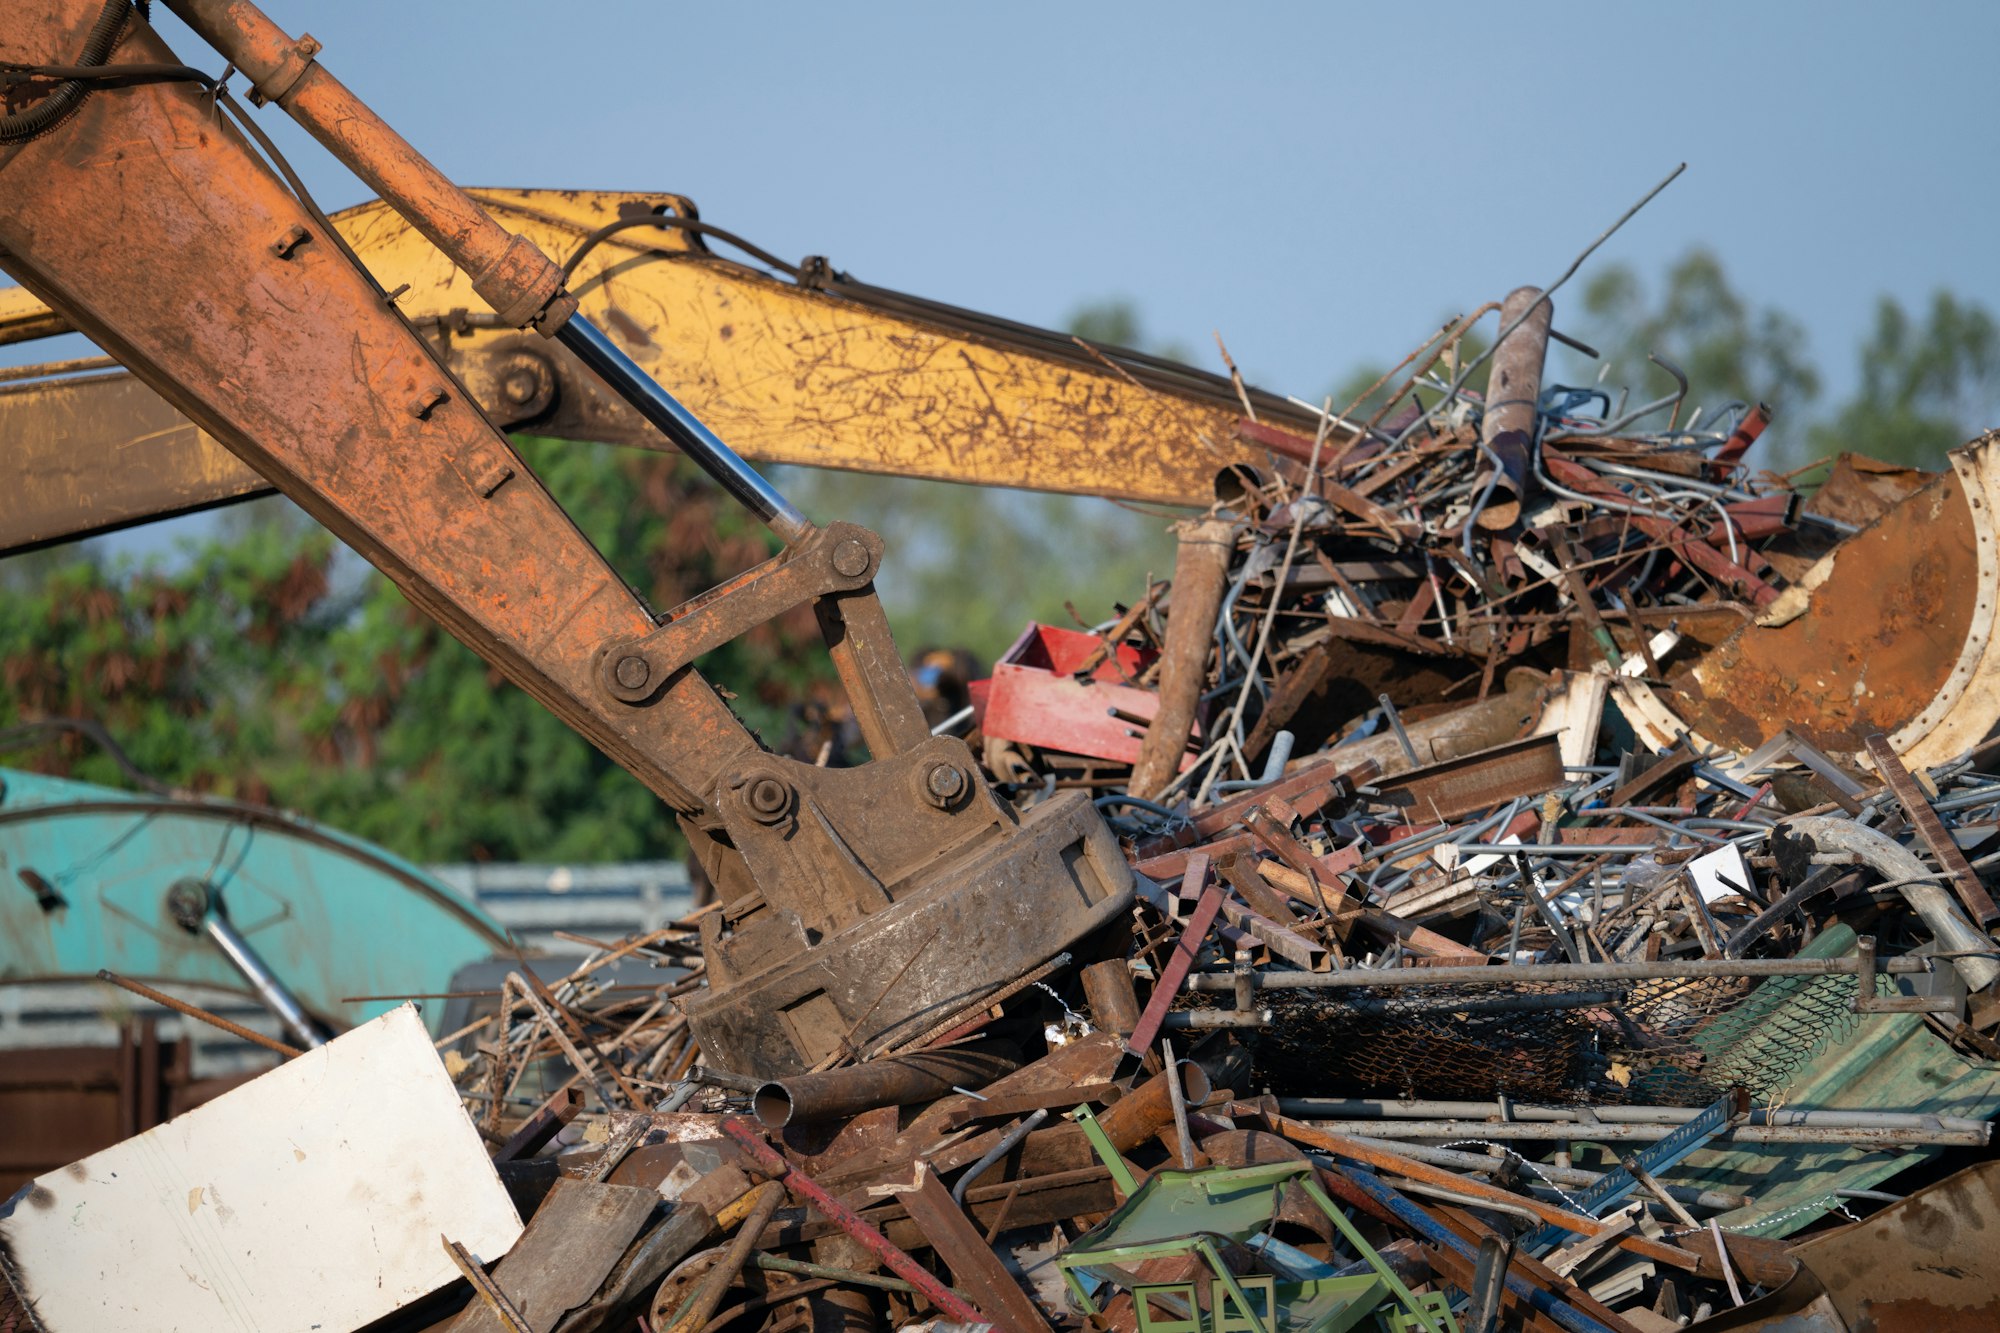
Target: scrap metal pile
1485,971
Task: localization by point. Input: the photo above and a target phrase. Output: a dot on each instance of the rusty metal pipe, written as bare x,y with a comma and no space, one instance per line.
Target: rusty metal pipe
893,1080
1513,400
1201,571
763,1206
1114,1004
1149,1108
509,272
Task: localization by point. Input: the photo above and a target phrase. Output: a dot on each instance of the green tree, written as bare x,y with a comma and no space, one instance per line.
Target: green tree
1730,349
260,666
1926,385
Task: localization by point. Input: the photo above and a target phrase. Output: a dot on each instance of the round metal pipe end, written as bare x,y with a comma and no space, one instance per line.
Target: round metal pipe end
773,1106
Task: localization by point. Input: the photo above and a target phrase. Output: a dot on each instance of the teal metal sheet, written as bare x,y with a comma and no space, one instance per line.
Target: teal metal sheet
1883,1062
332,915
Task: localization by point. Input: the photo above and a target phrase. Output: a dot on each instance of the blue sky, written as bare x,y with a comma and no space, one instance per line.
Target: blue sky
1323,183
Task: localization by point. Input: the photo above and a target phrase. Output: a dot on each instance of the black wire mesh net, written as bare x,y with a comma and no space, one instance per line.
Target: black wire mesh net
1675,1042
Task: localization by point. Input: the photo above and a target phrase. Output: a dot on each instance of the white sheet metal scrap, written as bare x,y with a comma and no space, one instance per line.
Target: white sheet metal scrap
310,1198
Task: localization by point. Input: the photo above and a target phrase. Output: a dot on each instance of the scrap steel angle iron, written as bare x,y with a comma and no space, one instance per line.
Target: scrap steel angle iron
137,208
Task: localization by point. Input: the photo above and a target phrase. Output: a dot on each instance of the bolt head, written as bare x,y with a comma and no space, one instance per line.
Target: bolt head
944,783
526,382
519,386
633,673
187,903
769,798
850,557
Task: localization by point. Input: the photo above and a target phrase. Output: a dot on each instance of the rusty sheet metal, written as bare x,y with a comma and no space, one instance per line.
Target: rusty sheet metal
1929,1264
1873,646
101,452
1476,781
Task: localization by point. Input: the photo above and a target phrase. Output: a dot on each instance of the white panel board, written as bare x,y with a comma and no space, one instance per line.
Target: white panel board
311,1198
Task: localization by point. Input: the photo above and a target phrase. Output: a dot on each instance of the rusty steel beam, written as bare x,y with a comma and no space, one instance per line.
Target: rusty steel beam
974,1266
1964,879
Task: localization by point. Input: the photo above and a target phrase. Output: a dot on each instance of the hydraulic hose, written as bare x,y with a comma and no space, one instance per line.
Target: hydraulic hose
61,104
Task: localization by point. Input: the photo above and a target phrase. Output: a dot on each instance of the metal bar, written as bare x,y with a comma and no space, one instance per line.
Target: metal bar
1549,1174
1423,1224
1489,1284
1170,1070
489,1291
1965,883
1551,972
998,1151
271,992
167,1001
1182,959
1365,1108
948,1302
764,1203
596,350
1950,1132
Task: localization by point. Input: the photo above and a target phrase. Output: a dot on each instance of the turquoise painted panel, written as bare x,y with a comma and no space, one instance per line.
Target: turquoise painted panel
332,915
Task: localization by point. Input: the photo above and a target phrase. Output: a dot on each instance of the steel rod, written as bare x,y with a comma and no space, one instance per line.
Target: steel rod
271,992
197,1013
1950,1132
674,420
1523,973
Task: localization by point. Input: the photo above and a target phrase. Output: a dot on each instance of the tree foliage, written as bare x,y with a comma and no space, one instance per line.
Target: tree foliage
1730,349
1926,385
268,663
264,665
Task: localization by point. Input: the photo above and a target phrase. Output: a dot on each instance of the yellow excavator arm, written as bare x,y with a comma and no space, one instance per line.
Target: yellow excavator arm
817,370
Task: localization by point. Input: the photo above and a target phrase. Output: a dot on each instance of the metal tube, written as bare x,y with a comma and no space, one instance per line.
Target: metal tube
1552,1175
1950,1131
773,1263
1513,404
1363,1108
677,423
271,992
999,1150
1202,1020
1895,862
892,1080
1423,1224
1537,972
1201,572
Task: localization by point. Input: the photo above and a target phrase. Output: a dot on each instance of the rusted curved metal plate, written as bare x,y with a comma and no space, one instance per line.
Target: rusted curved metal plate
1895,635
